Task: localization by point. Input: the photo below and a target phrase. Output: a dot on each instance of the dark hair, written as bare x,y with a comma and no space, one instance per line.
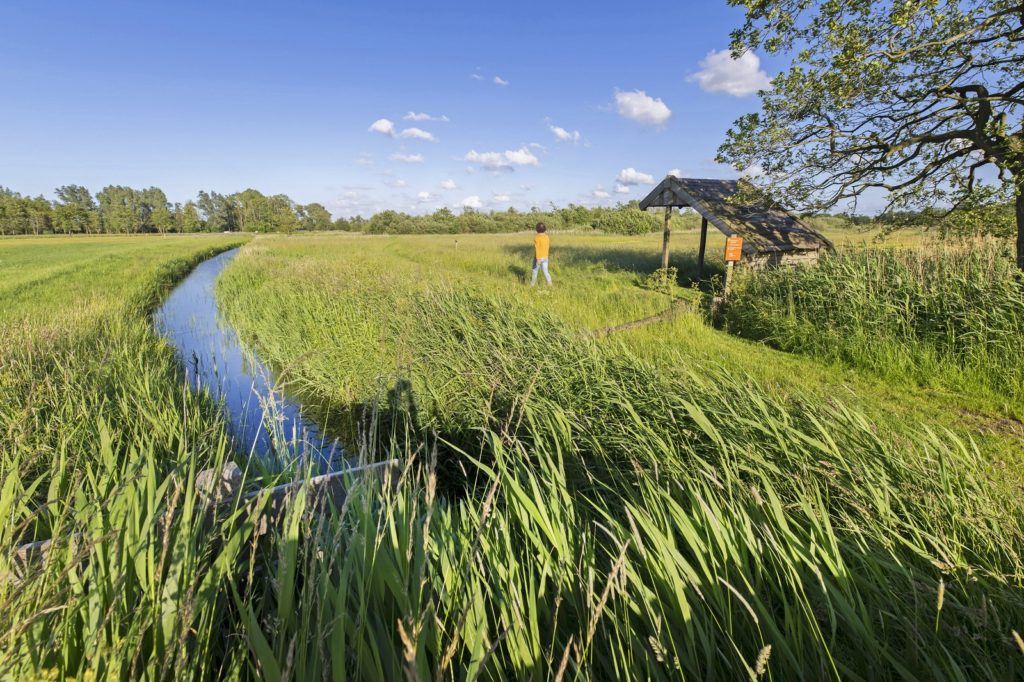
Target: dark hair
541,227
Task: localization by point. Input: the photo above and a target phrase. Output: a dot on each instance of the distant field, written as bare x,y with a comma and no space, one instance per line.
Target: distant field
669,501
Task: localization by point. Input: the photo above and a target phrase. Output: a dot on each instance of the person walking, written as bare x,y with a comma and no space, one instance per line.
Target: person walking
541,246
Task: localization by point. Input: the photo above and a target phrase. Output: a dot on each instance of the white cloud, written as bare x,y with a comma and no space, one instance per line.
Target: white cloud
522,157
675,172
631,176
417,134
472,202
498,80
383,126
355,202
364,159
600,194
564,135
502,198
503,161
449,184
423,196
622,189
413,116
737,77
399,183
407,158
638,106
754,170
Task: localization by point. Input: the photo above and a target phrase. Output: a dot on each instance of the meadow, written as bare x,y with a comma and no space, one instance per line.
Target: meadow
668,502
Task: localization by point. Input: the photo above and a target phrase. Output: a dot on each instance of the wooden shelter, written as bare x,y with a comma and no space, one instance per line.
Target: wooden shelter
771,235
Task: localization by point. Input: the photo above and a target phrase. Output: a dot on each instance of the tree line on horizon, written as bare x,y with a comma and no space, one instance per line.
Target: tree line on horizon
124,210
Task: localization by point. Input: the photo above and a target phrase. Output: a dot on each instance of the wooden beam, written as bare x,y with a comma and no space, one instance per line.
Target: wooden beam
664,239
703,246
218,493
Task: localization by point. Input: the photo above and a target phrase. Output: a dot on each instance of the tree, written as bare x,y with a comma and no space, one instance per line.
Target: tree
281,214
250,210
186,218
13,216
39,213
219,211
74,210
154,211
315,217
913,98
118,208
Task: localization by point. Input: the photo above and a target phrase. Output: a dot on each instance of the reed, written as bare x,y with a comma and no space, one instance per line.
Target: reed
566,509
949,315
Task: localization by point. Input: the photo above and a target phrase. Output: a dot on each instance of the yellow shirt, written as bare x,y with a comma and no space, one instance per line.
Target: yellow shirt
541,243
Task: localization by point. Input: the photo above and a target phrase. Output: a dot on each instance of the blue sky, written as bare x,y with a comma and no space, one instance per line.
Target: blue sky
281,97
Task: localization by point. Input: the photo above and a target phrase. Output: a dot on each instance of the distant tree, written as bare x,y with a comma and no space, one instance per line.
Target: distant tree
252,210
186,218
314,217
75,210
389,222
118,209
218,211
912,97
343,225
281,214
39,213
154,211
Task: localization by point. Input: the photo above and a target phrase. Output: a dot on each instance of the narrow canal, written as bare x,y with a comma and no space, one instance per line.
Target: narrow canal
263,420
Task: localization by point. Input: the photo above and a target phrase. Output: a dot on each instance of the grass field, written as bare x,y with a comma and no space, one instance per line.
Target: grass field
667,502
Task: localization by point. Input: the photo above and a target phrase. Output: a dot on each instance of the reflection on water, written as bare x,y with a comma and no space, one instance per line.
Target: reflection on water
263,421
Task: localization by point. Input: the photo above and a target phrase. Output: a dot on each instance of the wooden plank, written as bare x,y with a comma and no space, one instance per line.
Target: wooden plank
665,237
218,493
703,247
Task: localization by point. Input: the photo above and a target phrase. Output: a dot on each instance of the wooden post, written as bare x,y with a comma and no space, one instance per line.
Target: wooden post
728,280
703,245
733,253
664,239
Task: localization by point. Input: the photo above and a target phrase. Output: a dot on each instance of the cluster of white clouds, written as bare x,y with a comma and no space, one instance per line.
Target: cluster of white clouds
628,177
719,72
637,105
563,135
739,77
418,134
386,127
407,158
413,116
497,80
625,181
503,161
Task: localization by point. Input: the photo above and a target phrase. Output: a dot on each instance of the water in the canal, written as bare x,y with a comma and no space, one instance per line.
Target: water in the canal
263,421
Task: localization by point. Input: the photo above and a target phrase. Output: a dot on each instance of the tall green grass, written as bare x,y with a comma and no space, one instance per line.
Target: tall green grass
614,521
565,510
950,316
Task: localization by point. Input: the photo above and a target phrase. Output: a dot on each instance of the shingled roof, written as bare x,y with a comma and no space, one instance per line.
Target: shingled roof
764,229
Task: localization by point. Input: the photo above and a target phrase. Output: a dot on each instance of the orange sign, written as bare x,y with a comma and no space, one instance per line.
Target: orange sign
733,249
